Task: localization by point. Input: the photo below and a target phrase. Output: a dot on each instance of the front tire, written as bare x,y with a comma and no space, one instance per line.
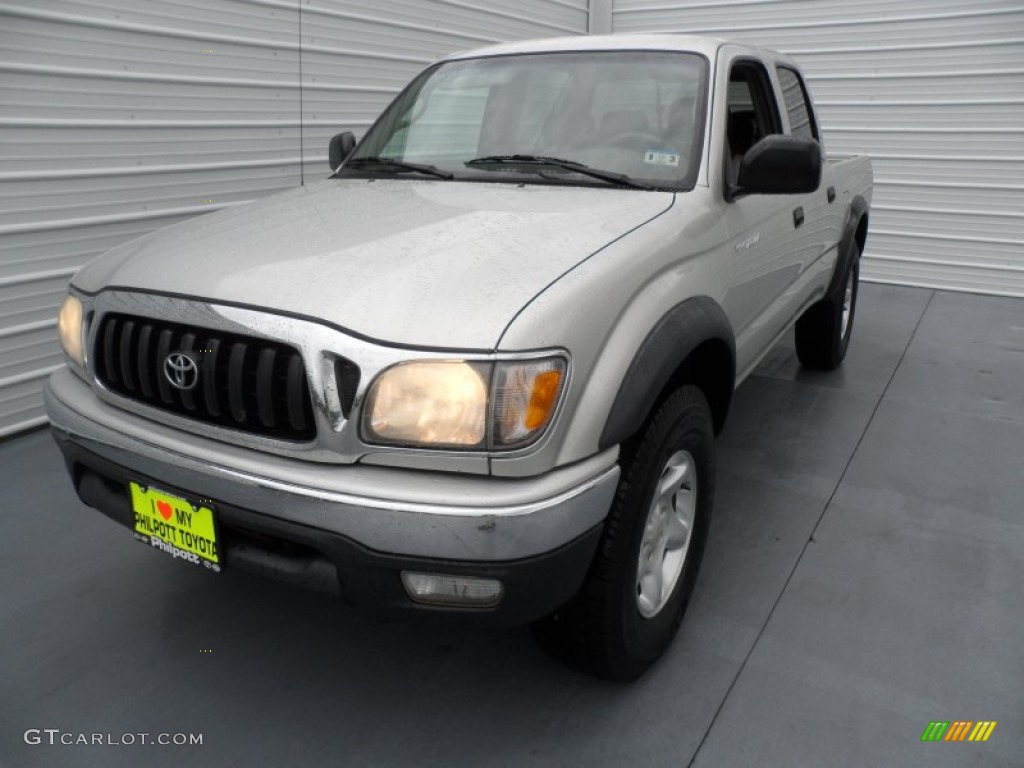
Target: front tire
643,574
823,331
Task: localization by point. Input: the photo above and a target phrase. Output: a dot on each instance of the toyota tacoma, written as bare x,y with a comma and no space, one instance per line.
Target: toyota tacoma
480,368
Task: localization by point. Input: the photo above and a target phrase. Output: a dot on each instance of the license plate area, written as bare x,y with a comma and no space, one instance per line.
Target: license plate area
176,526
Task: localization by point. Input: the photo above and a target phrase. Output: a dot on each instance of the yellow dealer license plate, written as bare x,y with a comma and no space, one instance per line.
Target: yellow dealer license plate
173,525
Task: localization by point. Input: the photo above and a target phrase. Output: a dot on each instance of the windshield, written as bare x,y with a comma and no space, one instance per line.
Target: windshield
637,114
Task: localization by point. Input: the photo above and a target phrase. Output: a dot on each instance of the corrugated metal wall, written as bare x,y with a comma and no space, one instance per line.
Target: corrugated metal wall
121,116
933,90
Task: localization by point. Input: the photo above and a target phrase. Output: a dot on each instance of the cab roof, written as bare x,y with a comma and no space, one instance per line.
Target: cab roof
632,42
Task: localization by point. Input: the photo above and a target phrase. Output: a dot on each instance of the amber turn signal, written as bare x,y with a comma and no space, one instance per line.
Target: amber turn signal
542,399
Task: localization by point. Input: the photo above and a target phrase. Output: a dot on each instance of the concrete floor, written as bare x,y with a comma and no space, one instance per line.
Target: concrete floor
864,576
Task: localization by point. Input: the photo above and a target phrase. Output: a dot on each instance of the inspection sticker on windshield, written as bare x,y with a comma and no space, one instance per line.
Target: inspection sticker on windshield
173,525
661,157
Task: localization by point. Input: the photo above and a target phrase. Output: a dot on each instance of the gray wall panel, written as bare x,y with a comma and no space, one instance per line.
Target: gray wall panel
122,116
933,90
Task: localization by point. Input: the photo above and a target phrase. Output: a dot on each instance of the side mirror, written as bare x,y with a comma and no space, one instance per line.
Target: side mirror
341,146
780,165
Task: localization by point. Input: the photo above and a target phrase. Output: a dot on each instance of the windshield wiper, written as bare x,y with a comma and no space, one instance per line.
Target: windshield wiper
399,165
557,162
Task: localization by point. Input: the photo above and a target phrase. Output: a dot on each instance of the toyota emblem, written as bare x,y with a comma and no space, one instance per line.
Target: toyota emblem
181,370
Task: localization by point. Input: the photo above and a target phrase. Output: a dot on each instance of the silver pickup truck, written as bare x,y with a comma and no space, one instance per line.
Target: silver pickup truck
480,369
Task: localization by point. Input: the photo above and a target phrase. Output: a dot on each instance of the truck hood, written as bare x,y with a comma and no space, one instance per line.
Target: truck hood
422,263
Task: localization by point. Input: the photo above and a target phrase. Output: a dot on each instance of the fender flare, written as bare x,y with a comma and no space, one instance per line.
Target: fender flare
669,343
847,248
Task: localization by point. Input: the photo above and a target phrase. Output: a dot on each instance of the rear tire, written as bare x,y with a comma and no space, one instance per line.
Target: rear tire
823,331
640,581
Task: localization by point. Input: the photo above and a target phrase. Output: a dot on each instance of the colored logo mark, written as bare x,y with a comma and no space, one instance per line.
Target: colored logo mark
958,730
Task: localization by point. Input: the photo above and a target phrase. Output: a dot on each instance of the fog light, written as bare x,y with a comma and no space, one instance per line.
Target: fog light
453,591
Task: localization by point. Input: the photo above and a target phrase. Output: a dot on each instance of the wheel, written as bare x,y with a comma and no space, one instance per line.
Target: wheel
823,331
639,584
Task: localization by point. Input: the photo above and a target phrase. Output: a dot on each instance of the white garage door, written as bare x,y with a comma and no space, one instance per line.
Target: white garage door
122,116
933,90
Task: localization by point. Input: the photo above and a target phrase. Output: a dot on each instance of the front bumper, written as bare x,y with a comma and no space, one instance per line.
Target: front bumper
348,528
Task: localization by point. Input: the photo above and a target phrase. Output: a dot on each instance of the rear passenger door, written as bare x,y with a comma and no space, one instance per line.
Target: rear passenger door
762,230
821,213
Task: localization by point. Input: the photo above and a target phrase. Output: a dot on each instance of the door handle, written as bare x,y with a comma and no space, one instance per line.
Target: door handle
798,216
831,194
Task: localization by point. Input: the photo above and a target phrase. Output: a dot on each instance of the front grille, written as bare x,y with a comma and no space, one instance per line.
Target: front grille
239,382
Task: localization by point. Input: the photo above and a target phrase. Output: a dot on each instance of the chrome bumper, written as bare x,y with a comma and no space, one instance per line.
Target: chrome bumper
387,509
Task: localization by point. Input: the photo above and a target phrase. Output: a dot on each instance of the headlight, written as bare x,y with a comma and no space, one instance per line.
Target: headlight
468,405
69,327
438,404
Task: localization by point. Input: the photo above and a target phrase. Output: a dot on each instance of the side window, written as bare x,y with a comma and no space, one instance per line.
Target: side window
798,106
752,113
